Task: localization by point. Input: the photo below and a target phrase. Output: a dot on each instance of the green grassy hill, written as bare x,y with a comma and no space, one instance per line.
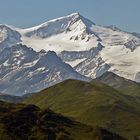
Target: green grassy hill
21,122
94,104
125,86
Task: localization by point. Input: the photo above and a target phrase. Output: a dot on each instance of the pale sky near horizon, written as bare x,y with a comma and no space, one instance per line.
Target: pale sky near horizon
124,14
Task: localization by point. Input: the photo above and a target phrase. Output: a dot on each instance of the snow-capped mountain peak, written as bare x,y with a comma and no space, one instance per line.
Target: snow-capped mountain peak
71,23
6,33
89,48
72,32
8,36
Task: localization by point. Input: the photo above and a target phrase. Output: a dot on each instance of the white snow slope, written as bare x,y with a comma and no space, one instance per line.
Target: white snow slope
89,48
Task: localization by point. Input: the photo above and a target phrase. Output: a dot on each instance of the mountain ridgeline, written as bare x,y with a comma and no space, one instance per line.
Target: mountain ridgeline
121,84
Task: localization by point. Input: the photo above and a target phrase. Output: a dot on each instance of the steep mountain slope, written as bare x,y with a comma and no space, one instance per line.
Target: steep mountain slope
88,63
8,37
136,34
125,86
26,71
66,33
74,34
20,122
93,103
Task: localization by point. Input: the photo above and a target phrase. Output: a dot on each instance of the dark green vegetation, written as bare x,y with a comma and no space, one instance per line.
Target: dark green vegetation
123,85
21,122
94,104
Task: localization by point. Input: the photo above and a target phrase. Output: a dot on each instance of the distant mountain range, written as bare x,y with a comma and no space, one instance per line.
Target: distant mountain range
90,50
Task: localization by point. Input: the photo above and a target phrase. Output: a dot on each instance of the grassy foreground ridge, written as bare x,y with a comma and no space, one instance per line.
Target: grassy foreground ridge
93,103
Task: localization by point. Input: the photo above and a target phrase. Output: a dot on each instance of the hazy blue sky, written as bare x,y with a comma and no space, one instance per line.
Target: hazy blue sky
25,13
